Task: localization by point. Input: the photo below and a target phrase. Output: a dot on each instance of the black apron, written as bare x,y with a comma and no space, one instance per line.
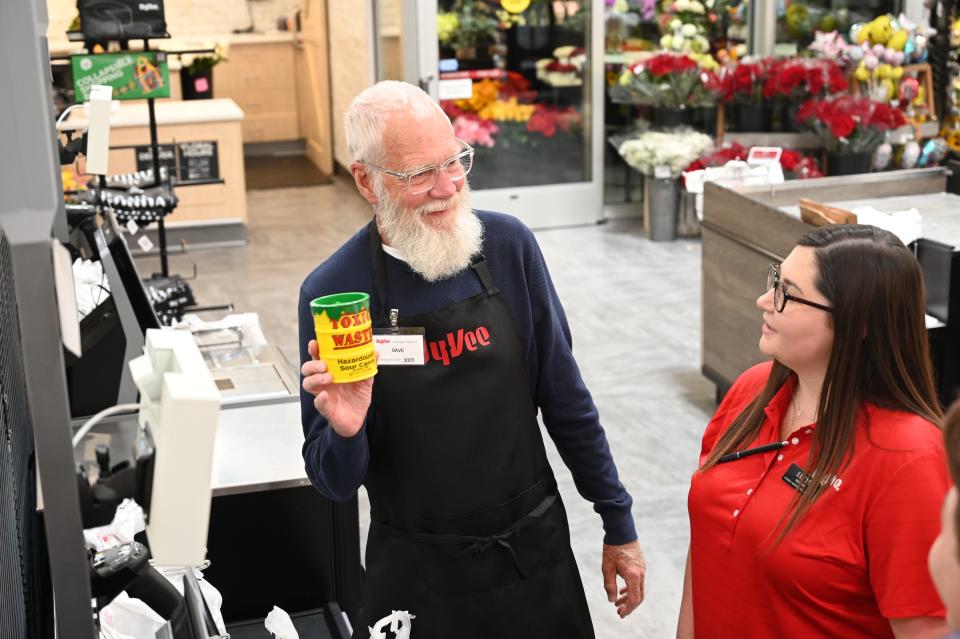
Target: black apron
467,531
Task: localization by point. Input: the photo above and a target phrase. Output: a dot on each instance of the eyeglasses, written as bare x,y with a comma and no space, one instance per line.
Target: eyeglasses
423,179
781,297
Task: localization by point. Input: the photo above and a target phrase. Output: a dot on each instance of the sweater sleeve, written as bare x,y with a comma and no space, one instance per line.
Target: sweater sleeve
569,413
335,465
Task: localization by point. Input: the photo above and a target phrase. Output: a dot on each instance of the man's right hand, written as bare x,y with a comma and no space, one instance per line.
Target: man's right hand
344,405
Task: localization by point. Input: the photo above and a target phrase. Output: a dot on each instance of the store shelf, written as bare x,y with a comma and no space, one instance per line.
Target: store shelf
783,140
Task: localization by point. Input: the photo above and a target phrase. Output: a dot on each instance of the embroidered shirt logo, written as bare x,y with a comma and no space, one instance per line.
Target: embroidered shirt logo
455,344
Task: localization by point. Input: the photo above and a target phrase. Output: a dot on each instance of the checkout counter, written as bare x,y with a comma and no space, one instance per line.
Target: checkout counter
273,540
744,229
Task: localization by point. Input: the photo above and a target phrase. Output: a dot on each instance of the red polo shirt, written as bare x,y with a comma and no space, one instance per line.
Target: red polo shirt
858,557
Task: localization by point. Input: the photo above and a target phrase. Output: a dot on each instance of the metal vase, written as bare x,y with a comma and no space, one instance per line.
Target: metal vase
661,199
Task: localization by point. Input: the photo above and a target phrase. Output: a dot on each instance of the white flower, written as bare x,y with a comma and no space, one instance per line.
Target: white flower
709,4
696,7
681,5
676,150
675,24
689,30
666,42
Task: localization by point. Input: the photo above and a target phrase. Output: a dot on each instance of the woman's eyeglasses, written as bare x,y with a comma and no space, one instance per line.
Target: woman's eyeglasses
781,297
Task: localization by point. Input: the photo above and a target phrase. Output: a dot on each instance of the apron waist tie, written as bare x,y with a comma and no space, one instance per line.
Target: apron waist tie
480,544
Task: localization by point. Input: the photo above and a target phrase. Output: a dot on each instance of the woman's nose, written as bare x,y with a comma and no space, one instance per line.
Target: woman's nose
765,301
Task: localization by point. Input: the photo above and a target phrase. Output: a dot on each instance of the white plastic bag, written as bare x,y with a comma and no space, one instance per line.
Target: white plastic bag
279,624
399,622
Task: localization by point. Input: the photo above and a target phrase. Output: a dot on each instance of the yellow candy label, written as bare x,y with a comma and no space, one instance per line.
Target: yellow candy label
346,345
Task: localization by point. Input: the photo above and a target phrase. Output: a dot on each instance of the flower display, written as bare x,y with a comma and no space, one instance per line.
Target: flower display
674,150
505,110
796,166
745,82
668,80
799,78
564,69
849,124
474,131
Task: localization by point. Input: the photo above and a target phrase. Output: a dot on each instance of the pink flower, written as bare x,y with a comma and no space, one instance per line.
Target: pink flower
475,131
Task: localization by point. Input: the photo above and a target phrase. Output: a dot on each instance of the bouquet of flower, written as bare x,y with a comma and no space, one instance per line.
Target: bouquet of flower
668,80
796,166
675,150
849,124
800,78
745,82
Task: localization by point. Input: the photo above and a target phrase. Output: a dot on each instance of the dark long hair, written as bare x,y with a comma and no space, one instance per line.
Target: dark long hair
951,441
879,355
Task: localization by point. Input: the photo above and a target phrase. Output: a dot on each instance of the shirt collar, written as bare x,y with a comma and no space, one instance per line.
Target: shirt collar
392,252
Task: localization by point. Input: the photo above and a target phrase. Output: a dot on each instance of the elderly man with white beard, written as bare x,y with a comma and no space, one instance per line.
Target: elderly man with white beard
468,532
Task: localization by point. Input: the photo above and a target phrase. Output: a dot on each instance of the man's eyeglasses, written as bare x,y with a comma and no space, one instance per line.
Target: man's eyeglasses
780,296
423,179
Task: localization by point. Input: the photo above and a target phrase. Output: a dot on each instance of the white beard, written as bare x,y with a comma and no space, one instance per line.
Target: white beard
434,253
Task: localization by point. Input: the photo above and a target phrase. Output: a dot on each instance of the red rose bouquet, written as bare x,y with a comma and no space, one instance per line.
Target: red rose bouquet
667,80
745,82
796,166
849,124
798,78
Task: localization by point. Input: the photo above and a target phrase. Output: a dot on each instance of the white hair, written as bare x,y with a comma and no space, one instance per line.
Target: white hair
366,116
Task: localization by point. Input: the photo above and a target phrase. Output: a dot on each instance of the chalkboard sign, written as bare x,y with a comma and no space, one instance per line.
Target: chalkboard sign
167,158
199,160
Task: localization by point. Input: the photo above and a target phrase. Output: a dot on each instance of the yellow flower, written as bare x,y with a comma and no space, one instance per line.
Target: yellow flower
484,92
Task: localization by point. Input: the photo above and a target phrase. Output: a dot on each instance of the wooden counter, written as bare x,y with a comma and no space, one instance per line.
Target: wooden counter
218,120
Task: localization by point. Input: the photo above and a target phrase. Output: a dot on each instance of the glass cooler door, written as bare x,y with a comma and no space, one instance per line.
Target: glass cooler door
520,80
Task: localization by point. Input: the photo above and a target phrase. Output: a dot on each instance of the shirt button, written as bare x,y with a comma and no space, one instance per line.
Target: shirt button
795,441
779,457
736,512
749,491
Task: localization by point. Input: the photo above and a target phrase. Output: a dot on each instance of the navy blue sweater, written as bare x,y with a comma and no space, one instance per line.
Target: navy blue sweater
337,465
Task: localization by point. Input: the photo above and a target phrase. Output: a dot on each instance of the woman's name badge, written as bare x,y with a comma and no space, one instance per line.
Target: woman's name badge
401,346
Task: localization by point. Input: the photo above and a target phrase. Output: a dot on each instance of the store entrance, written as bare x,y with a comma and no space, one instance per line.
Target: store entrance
518,82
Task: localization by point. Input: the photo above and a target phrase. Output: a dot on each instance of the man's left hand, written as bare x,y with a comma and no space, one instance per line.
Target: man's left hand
627,562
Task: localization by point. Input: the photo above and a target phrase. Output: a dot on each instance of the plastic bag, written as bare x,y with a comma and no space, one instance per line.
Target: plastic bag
399,622
279,624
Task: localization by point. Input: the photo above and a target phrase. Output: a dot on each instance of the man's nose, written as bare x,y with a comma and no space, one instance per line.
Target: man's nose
445,187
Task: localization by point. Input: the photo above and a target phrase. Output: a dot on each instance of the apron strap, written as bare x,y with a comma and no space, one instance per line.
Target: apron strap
479,266
379,262
479,544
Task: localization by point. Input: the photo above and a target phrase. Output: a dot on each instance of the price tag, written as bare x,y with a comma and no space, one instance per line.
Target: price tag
458,89
764,155
403,348
661,172
132,227
145,243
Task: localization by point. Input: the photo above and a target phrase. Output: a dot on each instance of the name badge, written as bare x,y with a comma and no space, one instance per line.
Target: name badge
399,347
796,478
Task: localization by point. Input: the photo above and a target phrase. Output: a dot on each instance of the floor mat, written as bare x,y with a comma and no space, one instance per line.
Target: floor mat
282,171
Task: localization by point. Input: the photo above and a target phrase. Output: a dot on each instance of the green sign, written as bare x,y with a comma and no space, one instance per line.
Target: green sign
134,75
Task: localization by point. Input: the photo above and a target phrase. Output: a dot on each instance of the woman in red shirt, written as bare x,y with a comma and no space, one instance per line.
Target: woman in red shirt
822,528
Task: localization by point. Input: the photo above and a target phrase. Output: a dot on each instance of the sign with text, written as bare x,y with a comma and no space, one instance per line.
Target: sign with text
134,75
197,160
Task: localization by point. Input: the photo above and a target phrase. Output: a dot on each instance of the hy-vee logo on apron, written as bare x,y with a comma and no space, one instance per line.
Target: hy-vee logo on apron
456,344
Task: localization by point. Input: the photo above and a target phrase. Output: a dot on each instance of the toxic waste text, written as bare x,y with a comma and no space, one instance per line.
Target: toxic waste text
359,337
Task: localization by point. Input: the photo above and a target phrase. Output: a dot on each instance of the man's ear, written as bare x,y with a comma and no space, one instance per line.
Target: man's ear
361,177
